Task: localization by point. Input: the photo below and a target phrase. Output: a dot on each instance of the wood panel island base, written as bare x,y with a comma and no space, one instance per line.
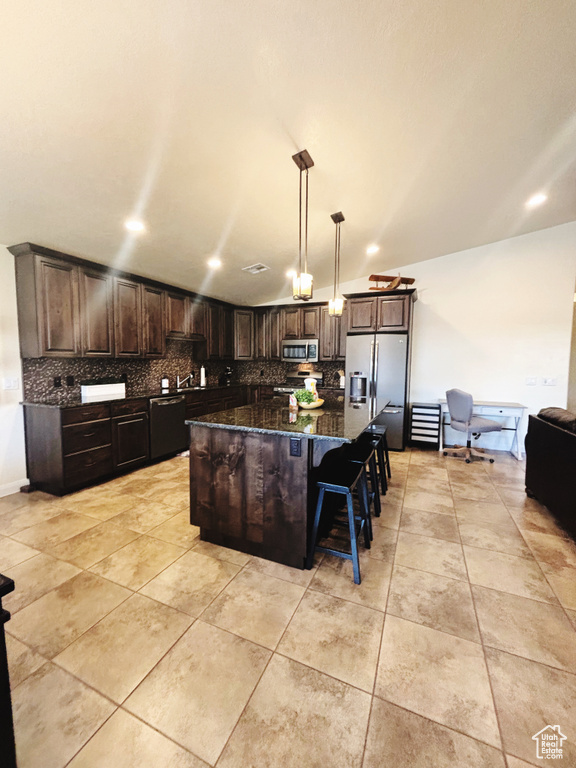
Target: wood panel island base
252,485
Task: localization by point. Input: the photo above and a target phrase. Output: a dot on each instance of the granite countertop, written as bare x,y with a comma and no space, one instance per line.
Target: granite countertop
74,399
336,421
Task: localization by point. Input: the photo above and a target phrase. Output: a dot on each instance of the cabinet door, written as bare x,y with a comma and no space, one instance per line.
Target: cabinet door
260,334
326,338
393,313
226,333
310,322
96,313
177,316
243,334
197,319
130,440
154,321
340,333
273,351
362,315
59,312
290,322
127,318
213,331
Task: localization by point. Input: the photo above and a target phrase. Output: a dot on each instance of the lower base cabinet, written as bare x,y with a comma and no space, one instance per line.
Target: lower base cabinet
71,448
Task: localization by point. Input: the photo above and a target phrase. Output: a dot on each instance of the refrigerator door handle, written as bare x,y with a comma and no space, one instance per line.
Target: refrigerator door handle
371,387
376,369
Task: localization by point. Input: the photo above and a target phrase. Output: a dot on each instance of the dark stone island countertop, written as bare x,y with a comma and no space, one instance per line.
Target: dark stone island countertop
334,421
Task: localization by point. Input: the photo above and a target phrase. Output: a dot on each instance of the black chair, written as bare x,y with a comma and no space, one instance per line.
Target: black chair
363,451
379,431
343,477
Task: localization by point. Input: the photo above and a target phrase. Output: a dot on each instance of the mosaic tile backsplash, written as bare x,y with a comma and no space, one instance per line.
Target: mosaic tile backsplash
145,375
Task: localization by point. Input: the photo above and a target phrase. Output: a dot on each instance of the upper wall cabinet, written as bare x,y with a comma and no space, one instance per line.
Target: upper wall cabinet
177,315
127,318
153,317
197,319
300,322
226,333
273,336
243,334
96,312
333,335
380,313
48,306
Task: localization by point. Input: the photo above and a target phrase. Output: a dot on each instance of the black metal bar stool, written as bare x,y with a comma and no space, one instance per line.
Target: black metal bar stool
343,477
379,430
363,451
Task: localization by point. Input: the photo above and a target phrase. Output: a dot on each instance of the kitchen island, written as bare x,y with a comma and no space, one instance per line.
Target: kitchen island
252,484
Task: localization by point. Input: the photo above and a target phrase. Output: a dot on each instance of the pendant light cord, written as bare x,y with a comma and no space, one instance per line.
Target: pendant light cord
306,229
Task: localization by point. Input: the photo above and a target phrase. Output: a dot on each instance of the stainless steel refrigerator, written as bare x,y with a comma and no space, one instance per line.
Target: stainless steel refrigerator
377,369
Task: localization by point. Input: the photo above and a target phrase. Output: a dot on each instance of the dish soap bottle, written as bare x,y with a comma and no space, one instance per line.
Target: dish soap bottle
202,376
165,383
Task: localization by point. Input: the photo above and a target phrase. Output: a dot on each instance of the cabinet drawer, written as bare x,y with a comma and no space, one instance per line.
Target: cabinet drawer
85,413
492,410
88,465
82,437
128,407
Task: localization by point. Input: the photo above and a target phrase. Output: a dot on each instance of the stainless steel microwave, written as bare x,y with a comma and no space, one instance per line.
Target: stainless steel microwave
300,351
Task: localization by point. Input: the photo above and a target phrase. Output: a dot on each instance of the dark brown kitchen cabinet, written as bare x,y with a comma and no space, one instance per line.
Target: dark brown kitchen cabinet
127,318
393,313
96,313
243,334
260,334
290,317
197,319
309,322
153,317
213,331
332,340
380,313
300,322
48,305
130,438
274,350
226,333
362,315
177,315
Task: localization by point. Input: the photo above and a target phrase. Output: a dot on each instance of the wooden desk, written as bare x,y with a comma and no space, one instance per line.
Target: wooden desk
492,410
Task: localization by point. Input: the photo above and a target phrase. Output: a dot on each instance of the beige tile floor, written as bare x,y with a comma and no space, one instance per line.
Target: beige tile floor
134,644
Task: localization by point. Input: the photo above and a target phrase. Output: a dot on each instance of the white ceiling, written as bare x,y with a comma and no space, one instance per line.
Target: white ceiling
430,124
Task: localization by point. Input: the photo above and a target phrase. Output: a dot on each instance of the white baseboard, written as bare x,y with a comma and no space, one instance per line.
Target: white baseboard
6,490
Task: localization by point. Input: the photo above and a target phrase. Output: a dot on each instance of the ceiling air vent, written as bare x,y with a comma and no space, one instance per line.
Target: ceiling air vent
255,268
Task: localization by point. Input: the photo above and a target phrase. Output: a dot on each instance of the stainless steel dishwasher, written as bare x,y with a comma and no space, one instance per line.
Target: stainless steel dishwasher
168,432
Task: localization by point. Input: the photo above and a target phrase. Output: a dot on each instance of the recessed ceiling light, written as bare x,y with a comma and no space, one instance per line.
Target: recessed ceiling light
536,200
134,225
214,262
372,249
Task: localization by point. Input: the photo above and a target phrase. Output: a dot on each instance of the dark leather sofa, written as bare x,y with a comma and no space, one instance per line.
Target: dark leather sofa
551,463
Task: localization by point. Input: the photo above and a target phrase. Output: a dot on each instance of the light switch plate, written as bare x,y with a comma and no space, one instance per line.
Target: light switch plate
531,381
549,382
10,383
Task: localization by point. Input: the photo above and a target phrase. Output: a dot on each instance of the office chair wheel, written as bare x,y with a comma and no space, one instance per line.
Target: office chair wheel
445,453
491,461
467,461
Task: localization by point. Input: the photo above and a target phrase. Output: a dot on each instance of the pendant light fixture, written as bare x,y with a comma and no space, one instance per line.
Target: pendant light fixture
336,303
302,280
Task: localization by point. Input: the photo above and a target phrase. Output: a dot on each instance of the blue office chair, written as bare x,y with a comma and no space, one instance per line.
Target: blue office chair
460,405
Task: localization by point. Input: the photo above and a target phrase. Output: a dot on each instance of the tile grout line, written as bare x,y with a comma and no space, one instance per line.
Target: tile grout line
496,713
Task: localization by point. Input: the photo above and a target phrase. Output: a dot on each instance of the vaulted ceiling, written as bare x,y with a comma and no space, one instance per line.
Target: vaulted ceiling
430,124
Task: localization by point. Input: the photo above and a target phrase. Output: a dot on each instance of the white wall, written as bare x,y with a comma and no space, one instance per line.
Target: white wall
12,450
490,317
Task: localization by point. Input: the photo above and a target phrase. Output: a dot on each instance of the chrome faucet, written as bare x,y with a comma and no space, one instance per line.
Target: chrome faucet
180,384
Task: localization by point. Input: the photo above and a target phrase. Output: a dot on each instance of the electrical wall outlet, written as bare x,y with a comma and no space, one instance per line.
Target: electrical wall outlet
531,381
549,382
10,383
57,381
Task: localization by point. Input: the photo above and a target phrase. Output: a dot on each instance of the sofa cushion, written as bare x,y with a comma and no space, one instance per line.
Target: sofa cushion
559,417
